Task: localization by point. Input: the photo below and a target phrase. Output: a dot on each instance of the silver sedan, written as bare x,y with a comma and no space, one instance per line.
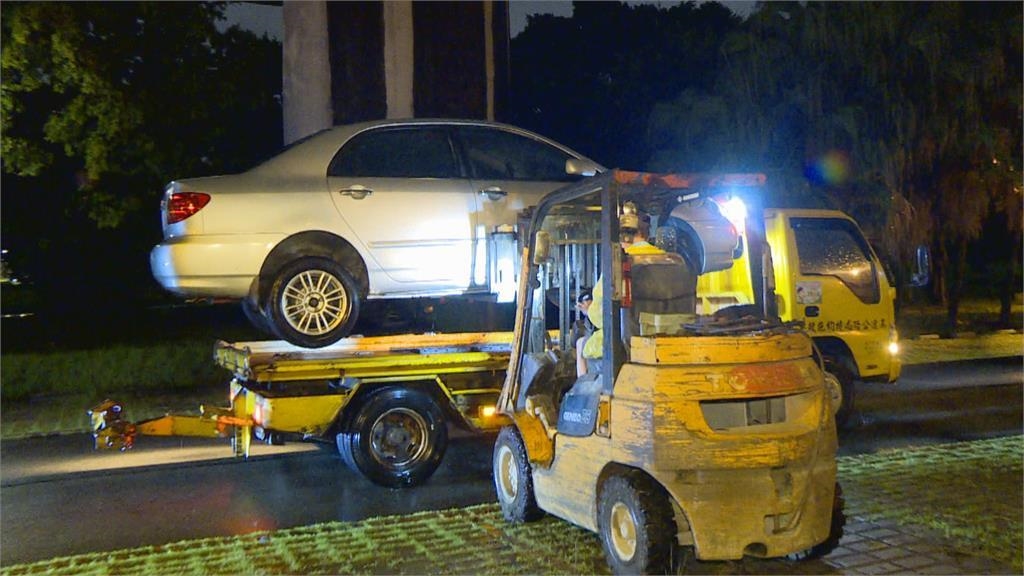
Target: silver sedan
382,209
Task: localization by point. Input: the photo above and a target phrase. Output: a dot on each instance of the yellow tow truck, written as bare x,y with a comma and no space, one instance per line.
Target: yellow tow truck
707,436
826,276
385,401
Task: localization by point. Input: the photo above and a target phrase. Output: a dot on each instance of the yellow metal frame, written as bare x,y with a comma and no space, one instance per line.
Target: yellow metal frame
283,388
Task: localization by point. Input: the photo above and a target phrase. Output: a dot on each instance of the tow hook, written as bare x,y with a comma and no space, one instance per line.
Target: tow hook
109,430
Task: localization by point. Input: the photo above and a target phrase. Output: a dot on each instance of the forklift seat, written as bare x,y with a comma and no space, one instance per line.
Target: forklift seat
664,294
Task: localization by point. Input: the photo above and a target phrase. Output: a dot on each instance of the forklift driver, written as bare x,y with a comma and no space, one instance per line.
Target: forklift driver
633,231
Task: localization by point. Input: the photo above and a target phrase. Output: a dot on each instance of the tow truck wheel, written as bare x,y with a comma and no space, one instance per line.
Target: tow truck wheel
314,302
396,439
835,533
636,525
846,395
513,478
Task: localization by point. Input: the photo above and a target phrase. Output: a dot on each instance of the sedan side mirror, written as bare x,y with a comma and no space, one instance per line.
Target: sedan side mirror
582,167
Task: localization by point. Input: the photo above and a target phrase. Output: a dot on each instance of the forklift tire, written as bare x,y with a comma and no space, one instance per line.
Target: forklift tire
636,524
845,377
835,533
513,478
396,438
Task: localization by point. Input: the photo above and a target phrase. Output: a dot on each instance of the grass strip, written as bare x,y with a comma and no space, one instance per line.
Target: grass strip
49,393
157,368
998,345
935,487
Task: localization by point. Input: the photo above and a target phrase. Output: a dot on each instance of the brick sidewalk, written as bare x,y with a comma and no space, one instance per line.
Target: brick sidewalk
888,548
942,509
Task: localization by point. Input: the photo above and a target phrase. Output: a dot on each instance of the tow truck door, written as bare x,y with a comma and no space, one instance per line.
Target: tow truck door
836,286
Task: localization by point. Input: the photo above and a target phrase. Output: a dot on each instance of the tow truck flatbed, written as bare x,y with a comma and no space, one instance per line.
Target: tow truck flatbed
277,360
385,400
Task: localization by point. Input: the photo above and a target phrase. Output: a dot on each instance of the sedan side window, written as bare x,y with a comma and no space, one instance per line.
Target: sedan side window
495,154
397,153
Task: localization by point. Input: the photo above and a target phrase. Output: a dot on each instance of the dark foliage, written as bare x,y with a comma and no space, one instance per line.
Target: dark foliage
103,104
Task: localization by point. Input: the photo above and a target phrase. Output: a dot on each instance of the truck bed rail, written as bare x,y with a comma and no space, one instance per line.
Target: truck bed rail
364,356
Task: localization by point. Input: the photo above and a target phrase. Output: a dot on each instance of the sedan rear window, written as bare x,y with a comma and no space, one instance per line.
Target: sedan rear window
835,247
397,153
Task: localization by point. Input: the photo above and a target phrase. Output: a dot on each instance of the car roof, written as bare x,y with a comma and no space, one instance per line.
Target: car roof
321,146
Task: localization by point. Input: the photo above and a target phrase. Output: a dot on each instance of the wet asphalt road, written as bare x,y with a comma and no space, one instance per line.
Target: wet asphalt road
51,512
58,498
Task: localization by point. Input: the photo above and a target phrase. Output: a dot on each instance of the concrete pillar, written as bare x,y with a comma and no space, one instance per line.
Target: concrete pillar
307,69
398,58
489,58
352,61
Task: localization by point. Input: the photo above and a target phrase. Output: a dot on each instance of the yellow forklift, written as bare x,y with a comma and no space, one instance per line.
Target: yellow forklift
708,437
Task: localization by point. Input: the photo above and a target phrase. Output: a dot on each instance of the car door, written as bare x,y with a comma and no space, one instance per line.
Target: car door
401,191
511,170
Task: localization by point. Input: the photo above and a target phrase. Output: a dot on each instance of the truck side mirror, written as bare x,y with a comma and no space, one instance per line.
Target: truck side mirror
581,167
922,267
541,247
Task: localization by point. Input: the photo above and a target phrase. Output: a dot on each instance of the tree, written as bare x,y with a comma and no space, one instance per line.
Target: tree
907,115
591,80
103,103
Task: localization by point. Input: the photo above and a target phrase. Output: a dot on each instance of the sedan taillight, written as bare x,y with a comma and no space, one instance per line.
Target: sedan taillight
181,205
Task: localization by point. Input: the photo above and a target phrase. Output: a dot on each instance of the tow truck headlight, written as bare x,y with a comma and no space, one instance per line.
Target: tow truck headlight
894,342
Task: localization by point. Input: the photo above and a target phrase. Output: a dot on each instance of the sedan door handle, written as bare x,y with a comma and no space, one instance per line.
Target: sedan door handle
493,193
356,192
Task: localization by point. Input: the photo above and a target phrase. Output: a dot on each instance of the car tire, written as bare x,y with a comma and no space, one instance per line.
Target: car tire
313,302
513,478
396,438
636,525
